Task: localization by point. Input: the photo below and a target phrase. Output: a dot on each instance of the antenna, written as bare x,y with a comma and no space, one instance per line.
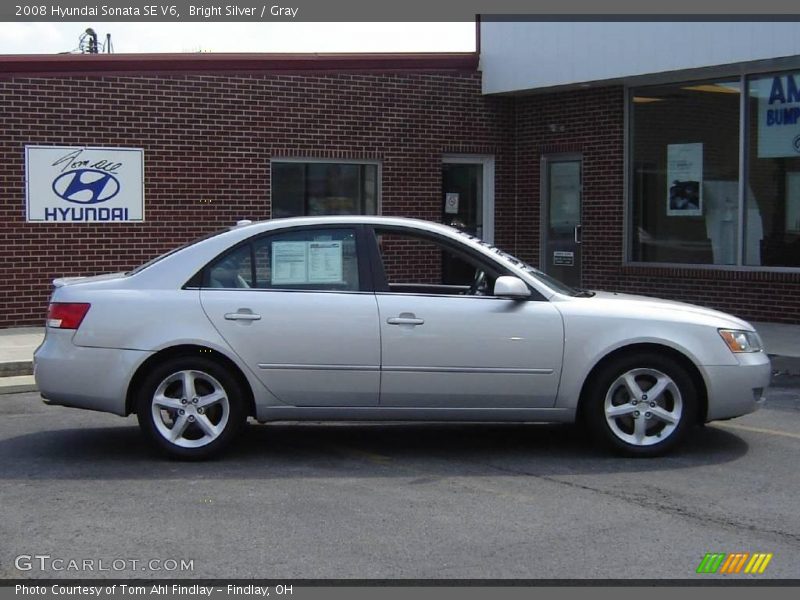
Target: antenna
90,46
87,43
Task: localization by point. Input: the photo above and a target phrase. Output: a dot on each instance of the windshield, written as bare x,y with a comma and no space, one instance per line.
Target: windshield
152,261
551,282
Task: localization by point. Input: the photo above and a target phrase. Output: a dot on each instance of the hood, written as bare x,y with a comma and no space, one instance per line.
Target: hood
648,302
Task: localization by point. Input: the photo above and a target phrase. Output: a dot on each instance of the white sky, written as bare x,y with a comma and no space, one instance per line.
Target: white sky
52,38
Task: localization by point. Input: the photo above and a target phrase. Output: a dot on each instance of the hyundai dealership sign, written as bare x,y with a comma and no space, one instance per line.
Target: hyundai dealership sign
84,185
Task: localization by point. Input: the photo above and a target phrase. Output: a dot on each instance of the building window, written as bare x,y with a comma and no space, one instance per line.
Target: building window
685,172
688,205
324,188
772,202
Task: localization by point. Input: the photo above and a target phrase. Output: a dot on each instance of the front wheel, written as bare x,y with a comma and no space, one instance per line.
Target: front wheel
190,407
642,405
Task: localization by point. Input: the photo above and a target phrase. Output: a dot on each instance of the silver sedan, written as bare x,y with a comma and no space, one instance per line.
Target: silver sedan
373,318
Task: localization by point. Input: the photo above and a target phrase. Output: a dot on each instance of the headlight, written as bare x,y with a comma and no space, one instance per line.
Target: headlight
741,341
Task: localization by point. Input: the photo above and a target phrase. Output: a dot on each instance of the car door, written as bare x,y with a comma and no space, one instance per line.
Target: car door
297,307
451,343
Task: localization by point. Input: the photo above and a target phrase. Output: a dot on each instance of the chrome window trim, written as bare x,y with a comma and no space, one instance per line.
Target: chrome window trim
423,295
280,290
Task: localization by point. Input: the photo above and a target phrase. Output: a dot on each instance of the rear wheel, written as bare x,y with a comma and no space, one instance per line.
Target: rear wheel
190,407
642,405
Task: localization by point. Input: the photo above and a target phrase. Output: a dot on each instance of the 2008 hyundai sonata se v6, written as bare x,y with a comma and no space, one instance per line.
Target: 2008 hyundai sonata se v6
377,318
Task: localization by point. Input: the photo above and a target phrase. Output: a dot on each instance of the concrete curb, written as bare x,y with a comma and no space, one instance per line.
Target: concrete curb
17,384
785,365
13,368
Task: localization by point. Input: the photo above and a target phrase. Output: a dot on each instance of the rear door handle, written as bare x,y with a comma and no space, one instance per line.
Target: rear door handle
405,319
242,316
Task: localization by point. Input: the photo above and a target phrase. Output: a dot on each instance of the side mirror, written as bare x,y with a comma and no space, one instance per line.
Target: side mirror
511,287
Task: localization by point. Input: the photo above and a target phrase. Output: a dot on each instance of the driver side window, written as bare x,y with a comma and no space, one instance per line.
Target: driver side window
420,265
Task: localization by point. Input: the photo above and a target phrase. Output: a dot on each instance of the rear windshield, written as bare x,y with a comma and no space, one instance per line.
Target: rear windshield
153,261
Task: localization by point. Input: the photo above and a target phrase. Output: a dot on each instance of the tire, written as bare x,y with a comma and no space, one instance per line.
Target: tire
208,419
641,405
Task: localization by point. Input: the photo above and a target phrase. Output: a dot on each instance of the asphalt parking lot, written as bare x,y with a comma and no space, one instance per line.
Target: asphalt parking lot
393,501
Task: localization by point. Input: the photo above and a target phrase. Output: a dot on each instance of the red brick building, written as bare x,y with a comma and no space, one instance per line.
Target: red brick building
227,137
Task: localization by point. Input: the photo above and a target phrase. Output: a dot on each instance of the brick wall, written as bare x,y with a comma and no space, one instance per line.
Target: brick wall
589,123
208,139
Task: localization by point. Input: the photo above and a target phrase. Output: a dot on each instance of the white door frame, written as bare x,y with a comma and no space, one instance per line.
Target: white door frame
487,160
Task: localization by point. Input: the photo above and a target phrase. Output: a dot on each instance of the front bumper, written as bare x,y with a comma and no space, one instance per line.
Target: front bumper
734,391
82,377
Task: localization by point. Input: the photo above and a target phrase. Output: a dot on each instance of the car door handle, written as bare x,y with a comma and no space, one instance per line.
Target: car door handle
242,316
405,320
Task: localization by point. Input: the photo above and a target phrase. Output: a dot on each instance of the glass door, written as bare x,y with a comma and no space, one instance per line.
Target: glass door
467,205
561,217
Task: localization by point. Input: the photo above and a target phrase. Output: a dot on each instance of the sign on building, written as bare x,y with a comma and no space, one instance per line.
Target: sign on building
779,116
68,184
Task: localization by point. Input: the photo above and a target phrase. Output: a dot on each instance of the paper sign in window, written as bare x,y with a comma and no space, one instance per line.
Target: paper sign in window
451,203
289,262
324,262
306,262
684,180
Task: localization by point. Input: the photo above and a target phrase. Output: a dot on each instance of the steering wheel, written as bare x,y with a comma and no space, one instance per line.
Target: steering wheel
478,287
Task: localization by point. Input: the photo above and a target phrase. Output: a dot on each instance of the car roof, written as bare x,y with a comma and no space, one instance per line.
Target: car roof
286,222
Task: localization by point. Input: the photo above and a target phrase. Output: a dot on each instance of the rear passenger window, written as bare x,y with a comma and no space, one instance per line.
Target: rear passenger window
234,270
312,259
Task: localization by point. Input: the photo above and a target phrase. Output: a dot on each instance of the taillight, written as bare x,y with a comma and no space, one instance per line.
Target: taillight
66,315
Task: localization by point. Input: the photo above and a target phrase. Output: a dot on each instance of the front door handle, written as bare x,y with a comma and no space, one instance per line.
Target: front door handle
577,233
242,316
405,319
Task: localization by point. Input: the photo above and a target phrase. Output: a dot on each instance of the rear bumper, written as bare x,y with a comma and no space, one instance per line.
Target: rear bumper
734,391
81,377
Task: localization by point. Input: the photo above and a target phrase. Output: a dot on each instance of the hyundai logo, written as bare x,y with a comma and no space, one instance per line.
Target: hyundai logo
796,144
86,186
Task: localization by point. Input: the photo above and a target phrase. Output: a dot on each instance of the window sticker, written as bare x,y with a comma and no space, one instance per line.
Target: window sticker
325,262
289,262
307,262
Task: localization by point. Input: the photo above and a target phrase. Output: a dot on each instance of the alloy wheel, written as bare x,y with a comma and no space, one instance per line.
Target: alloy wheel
190,409
643,407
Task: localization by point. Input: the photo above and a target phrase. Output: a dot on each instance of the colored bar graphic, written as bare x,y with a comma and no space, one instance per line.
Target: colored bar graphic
759,562
741,562
711,563
727,564
734,563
